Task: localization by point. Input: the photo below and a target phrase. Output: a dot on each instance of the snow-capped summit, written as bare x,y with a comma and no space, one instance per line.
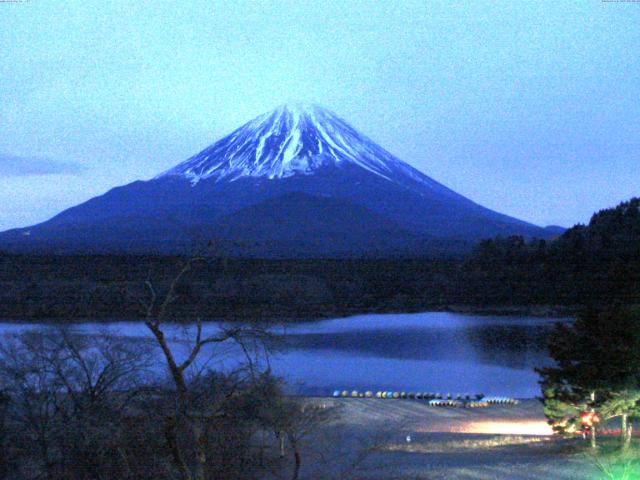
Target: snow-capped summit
293,139
296,182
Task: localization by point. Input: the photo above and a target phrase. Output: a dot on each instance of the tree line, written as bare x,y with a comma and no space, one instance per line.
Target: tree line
593,264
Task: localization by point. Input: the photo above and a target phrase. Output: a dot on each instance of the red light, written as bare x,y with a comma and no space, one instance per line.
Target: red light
589,418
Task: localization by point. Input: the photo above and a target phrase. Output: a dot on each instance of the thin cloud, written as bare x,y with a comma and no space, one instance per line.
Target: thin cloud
12,166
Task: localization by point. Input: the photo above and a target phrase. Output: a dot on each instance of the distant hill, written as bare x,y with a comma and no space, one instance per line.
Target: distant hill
554,230
594,263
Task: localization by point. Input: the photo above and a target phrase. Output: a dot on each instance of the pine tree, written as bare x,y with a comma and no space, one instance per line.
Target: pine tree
626,405
597,369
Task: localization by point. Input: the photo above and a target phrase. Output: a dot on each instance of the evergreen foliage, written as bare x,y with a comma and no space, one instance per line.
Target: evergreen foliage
595,264
597,368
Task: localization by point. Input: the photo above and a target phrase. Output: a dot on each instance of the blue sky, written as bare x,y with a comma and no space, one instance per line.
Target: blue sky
529,108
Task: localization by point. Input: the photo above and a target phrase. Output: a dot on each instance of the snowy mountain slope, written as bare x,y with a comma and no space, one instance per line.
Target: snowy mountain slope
246,185
296,139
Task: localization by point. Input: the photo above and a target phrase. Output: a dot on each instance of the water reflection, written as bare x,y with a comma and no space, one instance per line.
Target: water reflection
516,346
514,342
431,351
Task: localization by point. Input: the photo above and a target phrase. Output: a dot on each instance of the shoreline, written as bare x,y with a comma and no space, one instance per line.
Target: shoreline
541,311
413,440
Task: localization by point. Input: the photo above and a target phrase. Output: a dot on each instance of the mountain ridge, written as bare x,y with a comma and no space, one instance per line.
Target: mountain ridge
291,150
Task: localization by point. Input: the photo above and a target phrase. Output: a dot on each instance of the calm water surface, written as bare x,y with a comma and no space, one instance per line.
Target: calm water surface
429,352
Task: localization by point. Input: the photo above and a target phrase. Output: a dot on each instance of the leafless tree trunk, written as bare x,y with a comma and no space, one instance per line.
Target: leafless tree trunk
156,310
281,443
296,456
171,437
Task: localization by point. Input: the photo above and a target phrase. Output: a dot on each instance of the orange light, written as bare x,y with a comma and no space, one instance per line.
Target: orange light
589,418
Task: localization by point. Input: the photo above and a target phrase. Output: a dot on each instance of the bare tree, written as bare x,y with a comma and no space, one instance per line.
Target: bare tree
28,381
68,395
312,432
297,421
188,411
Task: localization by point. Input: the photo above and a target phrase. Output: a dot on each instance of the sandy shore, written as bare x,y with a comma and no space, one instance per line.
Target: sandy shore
398,439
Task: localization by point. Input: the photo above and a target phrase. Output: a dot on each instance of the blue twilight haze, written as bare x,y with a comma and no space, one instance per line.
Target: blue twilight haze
528,108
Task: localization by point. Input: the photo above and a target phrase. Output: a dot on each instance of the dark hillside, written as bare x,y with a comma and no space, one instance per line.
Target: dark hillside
588,264
592,264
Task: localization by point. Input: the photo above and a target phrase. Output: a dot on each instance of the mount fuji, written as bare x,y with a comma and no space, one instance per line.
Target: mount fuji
296,182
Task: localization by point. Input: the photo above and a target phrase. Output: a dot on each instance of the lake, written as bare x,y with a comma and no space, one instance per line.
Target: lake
426,352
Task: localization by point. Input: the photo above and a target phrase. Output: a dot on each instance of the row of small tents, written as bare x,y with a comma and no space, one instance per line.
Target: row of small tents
434,399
